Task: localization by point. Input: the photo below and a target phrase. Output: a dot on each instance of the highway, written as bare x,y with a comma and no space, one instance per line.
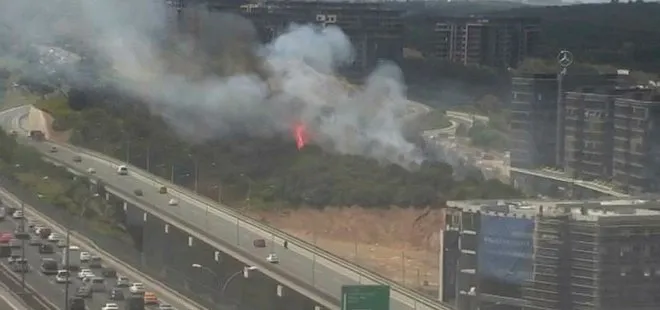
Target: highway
8,300
325,272
54,292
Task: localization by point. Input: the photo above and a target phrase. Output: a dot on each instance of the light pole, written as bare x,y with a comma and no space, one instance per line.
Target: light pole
249,191
223,288
23,259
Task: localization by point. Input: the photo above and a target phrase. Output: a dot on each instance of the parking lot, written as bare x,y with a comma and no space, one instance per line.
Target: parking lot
47,284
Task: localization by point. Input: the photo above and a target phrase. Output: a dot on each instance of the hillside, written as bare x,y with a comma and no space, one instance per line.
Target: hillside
265,170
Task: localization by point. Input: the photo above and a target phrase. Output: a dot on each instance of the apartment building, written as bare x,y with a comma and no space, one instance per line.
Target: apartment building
538,116
588,131
548,255
636,143
498,42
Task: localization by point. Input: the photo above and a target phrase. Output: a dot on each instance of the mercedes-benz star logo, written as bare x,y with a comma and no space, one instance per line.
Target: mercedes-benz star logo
565,58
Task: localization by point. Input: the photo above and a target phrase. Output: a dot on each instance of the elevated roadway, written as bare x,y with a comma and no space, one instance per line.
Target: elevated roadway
303,267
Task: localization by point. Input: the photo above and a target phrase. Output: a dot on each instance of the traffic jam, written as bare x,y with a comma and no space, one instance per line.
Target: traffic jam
90,283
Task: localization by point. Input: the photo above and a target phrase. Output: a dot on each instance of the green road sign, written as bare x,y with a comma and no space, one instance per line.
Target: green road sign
365,297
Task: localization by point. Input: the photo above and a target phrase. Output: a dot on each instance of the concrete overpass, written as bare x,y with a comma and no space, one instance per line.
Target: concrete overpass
202,226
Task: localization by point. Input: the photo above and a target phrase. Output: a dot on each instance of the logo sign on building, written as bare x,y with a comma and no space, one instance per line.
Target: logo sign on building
365,297
505,248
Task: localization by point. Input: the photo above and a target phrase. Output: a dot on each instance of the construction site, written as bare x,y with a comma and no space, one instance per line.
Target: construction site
542,255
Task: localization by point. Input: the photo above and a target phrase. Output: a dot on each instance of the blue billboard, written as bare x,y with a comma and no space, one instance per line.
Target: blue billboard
506,248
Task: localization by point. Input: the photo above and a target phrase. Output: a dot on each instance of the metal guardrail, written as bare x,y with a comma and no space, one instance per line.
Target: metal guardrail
29,297
418,300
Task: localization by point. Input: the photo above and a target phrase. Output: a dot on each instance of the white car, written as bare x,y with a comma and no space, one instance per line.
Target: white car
123,281
62,276
136,288
85,273
53,237
272,258
91,171
173,202
122,170
110,306
18,214
85,256
165,307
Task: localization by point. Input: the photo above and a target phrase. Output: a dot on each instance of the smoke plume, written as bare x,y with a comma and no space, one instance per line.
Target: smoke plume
221,80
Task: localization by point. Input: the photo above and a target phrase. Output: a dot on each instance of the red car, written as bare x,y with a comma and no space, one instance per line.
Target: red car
6,237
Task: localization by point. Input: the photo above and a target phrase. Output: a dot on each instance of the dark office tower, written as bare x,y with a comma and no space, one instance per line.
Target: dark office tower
375,31
588,133
497,42
637,142
533,121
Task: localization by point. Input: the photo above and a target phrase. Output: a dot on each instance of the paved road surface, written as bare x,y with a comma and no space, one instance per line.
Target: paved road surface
9,301
300,264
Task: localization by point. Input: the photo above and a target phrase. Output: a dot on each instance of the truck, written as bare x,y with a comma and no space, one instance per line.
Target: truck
71,259
37,135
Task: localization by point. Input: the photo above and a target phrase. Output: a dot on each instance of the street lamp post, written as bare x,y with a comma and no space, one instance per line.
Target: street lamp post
249,191
224,286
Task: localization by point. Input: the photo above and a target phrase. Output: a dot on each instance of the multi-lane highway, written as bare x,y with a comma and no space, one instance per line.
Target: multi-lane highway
54,292
322,272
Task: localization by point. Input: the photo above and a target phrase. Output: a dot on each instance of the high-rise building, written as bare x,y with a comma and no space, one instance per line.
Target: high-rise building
636,147
537,116
498,41
548,255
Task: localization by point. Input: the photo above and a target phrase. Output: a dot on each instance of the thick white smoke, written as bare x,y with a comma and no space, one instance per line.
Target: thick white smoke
264,89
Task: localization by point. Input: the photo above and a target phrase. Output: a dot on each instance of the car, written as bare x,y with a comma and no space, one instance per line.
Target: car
110,306
138,192
109,273
77,159
61,244
95,262
150,298
116,294
54,237
91,170
85,256
34,242
272,258
53,149
12,258
77,303
122,170
164,306
15,244
62,276
173,202
83,273
123,281
18,214
97,283
20,265
162,190
46,249
84,292
49,266
136,288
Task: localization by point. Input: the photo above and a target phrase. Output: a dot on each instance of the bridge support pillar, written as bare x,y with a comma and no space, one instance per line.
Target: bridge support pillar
318,308
125,205
107,196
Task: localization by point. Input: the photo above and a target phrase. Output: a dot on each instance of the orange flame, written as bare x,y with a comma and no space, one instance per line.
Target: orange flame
300,134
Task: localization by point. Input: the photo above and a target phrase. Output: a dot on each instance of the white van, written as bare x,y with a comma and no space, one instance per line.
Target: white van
122,170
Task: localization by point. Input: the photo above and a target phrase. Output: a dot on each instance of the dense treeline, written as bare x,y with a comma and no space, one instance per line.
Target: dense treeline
263,170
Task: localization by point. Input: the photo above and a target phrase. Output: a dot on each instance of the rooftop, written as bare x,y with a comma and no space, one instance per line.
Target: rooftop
584,210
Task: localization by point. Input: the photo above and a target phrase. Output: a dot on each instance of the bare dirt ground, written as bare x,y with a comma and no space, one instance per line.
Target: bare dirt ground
400,244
